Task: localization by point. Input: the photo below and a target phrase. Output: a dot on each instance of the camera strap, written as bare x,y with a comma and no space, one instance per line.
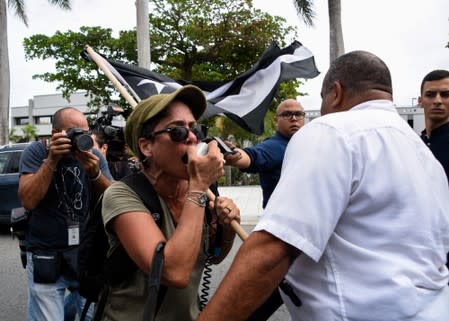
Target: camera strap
63,196
60,186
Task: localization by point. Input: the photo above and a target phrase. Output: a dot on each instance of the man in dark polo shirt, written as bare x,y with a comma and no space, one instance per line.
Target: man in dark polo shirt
434,100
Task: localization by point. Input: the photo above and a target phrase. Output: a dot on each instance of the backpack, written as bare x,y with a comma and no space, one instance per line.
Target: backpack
95,269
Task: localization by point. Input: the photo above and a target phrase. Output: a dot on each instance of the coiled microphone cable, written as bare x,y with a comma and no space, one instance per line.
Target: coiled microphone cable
207,273
205,285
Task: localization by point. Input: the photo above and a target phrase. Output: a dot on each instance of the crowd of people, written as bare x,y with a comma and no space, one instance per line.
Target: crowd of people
355,222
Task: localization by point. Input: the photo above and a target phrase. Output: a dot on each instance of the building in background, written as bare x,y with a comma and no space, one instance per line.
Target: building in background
41,108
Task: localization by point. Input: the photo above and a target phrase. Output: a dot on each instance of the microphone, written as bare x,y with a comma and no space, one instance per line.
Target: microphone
202,149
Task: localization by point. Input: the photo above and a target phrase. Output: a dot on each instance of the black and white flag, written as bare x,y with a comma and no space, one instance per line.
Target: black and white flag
246,99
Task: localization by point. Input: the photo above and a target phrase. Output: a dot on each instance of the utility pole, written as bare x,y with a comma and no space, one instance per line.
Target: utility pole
143,34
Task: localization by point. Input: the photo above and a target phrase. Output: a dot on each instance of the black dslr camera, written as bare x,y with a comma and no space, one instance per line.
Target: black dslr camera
80,139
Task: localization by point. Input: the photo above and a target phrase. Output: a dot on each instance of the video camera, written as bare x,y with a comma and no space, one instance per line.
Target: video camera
119,163
114,135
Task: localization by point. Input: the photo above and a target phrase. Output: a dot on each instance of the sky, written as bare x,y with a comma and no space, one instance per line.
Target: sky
409,35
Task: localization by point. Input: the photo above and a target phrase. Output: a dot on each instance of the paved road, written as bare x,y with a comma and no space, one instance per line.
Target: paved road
13,280
220,270
13,295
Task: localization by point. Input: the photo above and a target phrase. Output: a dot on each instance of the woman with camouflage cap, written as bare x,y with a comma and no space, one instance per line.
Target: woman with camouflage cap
162,132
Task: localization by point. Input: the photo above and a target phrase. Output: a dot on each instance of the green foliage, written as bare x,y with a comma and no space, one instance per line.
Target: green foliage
18,7
305,11
12,135
211,40
29,134
74,73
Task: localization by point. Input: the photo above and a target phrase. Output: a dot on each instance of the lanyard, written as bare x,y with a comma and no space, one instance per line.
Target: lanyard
68,204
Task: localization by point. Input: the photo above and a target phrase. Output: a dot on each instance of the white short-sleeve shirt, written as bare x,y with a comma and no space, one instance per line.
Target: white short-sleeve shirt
368,205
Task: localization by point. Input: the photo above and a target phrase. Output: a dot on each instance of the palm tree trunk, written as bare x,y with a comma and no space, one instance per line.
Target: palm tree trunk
4,75
143,34
336,44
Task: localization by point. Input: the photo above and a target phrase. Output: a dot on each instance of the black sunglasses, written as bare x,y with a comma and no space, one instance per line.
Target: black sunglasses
179,134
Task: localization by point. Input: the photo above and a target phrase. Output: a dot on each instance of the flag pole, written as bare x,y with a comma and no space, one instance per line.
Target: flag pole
100,63
234,224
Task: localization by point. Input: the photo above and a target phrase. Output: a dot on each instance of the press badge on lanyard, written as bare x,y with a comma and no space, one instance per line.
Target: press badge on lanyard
73,231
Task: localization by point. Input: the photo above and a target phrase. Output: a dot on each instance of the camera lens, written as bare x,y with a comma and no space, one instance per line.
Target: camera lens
84,142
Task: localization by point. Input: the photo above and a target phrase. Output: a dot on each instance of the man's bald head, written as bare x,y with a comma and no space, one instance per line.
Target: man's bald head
358,71
289,103
353,78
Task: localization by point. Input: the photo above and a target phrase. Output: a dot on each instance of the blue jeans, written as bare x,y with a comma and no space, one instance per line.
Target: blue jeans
70,309
46,301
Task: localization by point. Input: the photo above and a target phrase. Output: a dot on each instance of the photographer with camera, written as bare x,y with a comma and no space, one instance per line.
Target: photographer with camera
58,182
99,139
110,140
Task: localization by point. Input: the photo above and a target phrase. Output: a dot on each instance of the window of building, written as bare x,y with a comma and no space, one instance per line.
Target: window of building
22,121
43,120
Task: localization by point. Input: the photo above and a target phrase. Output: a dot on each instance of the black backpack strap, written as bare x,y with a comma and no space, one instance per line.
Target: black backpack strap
154,299
139,183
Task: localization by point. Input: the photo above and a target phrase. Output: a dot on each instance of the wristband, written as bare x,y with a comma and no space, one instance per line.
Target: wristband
96,178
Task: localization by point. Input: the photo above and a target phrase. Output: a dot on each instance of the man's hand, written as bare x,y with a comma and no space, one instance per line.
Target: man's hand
89,161
239,159
59,147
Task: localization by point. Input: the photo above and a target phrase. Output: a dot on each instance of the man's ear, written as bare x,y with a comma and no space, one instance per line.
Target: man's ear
336,97
339,95
420,101
104,147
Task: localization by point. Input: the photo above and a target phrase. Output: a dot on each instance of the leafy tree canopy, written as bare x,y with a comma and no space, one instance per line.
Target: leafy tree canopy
190,39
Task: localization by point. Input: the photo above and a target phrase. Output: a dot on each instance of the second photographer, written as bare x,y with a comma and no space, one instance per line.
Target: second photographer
109,139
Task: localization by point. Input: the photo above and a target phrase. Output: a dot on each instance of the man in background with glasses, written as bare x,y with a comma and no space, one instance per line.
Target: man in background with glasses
266,158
